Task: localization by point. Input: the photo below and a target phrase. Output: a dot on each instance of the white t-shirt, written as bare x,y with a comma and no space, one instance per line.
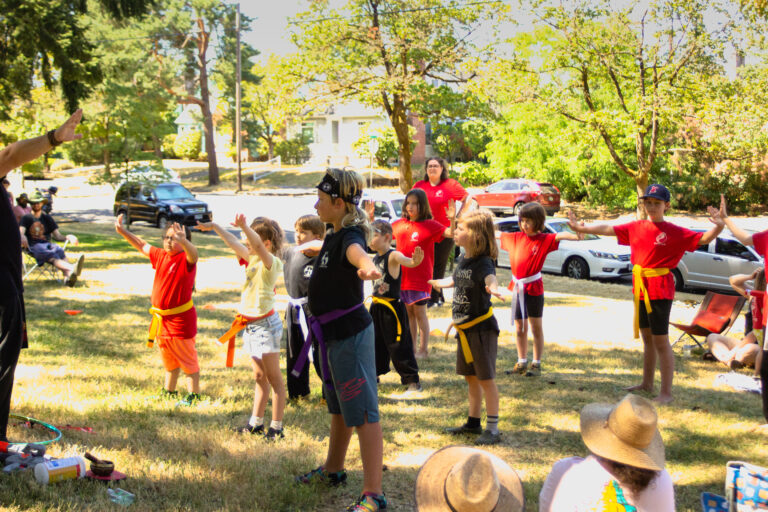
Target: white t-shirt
584,485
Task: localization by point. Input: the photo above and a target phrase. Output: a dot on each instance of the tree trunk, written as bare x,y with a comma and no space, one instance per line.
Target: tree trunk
158,145
399,122
205,107
270,149
641,182
105,155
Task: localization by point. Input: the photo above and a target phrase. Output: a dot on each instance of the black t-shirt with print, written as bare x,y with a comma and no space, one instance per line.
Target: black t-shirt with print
335,285
10,251
38,230
297,271
470,299
387,286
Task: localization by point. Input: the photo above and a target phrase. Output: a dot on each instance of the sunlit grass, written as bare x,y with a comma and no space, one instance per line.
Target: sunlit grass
93,370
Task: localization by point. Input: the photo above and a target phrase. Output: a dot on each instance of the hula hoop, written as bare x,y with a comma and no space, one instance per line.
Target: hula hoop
43,424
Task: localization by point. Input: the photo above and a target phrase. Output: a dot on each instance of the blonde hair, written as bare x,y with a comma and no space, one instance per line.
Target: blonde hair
270,230
479,223
351,184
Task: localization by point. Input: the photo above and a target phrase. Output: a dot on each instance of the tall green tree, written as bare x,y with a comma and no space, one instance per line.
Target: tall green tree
404,56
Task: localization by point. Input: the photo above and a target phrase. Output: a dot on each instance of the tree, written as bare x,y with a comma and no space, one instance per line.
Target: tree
627,74
406,57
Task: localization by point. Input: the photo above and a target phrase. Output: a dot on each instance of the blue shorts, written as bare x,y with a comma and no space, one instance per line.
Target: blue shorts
353,372
263,336
46,251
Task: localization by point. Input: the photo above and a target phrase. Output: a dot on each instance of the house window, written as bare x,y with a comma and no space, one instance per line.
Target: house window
308,131
428,133
334,132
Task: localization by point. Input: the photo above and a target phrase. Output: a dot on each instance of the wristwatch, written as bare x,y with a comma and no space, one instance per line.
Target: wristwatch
52,138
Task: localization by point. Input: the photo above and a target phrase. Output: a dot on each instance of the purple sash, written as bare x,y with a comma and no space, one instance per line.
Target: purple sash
316,328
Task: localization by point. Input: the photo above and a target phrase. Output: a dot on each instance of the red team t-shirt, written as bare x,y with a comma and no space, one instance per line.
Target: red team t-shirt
173,285
760,242
756,307
527,255
439,195
409,235
657,245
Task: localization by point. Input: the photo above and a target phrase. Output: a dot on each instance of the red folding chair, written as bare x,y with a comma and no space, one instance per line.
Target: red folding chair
716,314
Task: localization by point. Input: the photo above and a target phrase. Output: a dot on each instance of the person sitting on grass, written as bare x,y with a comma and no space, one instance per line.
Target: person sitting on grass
624,470
174,318
737,354
37,228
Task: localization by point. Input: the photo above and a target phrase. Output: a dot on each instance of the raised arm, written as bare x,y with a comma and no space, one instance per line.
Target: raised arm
741,235
366,270
567,235
450,211
257,244
137,243
231,240
716,218
23,151
593,229
402,259
739,282
180,238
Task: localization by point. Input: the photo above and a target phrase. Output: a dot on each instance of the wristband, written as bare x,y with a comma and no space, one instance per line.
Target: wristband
52,138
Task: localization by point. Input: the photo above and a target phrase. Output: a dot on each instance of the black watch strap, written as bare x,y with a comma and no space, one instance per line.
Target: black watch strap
52,138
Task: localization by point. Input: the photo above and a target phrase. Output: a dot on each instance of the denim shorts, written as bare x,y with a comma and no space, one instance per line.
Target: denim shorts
263,336
47,251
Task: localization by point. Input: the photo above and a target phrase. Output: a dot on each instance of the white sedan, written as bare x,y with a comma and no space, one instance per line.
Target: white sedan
594,257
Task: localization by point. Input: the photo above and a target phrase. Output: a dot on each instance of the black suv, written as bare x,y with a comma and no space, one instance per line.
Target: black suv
160,204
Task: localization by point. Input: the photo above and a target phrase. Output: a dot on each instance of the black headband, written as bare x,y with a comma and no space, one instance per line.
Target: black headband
332,187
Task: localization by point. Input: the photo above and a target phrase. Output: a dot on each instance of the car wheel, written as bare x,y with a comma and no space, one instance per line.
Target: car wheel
162,222
516,209
576,268
678,277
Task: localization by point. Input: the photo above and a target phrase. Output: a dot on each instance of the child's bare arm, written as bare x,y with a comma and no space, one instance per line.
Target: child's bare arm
311,248
566,235
450,211
593,229
137,243
492,286
439,284
180,238
738,282
231,240
366,270
716,218
402,259
741,235
257,244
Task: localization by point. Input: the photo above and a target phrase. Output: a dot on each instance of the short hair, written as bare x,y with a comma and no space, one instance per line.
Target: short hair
187,231
270,230
534,212
482,231
443,164
425,212
382,227
311,223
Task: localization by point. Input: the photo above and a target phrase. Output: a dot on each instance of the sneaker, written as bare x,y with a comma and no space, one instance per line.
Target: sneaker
534,370
369,503
735,364
71,279
519,368
319,474
488,437
79,265
190,399
273,434
249,429
165,394
464,429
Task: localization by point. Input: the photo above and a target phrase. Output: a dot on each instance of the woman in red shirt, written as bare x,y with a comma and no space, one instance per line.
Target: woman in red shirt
441,189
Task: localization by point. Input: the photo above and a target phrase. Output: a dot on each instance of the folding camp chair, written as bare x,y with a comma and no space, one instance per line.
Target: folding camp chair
34,270
716,314
746,490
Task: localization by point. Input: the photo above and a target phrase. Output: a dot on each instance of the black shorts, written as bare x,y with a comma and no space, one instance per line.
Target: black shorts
483,345
658,318
534,306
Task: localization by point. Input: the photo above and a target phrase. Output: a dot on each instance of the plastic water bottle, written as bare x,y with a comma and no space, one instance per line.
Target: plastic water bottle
120,496
687,350
60,469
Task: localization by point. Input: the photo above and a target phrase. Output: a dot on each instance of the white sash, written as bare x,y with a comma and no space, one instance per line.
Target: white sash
518,293
296,304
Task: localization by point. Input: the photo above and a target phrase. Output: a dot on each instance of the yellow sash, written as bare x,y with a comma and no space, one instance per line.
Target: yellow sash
463,337
385,301
157,319
638,273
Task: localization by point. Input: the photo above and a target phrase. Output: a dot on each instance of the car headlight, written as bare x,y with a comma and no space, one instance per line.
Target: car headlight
176,209
603,255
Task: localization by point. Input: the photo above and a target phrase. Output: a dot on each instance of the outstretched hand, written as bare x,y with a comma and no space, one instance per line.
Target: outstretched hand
205,226
723,206
368,274
66,132
239,221
450,209
119,223
435,283
369,208
418,256
499,293
574,223
716,216
177,232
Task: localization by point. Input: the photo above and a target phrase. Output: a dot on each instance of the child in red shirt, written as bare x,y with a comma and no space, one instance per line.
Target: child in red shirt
174,322
418,229
657,246
528,248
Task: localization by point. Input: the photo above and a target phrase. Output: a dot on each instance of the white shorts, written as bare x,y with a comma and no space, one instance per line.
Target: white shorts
263,336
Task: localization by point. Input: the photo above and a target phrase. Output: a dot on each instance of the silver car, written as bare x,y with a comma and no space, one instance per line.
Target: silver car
711,265
594,257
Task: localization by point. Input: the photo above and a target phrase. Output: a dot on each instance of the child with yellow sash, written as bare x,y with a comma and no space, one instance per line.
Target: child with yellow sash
174,319
474,280
657,247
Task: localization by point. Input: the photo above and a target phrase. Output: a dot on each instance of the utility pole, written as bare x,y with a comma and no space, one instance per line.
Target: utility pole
238,130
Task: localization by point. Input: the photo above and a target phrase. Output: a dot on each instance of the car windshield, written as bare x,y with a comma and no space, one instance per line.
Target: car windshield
397,204
562,227
173,192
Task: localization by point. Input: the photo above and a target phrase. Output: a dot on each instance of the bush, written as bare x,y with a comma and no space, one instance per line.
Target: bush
167,146
475,174
293,151
188,145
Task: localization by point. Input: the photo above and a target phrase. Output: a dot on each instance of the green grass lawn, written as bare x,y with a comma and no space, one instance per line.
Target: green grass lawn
93,370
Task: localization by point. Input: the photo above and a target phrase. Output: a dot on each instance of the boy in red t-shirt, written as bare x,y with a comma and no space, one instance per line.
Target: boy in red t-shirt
657,247
174,322
528,248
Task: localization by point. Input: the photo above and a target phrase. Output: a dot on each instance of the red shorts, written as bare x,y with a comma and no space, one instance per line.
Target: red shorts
178,353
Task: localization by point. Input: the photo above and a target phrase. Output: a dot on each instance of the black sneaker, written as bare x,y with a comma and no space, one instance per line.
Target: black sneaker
534,370
189,400
319,474
464,429
488,437
248,429
273,434
164,394
369,503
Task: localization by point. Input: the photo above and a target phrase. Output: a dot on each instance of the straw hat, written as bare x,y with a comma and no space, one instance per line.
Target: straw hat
37,197
625,432
463,479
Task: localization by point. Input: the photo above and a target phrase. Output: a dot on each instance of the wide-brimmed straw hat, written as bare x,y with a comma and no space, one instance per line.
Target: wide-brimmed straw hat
625,432
463,479
37,197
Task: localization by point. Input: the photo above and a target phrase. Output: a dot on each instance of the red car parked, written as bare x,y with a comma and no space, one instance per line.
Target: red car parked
508,196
